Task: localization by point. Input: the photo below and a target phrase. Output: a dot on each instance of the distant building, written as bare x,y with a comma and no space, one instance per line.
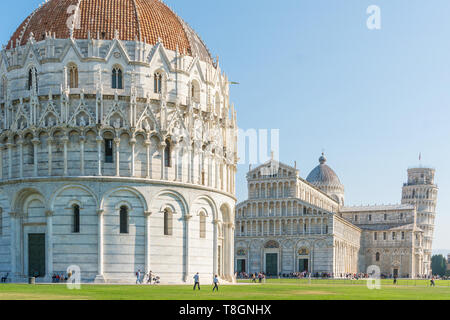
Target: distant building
289,225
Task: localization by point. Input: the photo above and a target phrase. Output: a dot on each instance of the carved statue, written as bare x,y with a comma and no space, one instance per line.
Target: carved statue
82,121
116,123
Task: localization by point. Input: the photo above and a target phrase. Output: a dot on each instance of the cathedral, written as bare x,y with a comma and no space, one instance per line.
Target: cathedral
117,146
292,225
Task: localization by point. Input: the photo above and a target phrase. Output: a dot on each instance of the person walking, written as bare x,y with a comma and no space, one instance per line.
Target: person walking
253,277
216,283
432,283
150,275
138,277
197,281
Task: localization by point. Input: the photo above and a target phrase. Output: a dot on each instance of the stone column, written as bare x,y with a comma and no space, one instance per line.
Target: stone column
50,141
14,250
163,161
215,253
133,155
99,154
49,243
231,229
147,145
1,161
35,142
65,140
100,278
9,146
117,145
20,145
147,215
82,142
186,246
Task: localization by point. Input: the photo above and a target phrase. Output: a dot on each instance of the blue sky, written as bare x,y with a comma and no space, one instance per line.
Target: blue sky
372,99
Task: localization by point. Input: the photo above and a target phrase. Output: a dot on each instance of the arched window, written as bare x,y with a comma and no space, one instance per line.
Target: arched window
73,76
217,104
168,155
203,225
117,78
167,222
195,91
32,78
123,220
4,87
377,256
157,87
76,219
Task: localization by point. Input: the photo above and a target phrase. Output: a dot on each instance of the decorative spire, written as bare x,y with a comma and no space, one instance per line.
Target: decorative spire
322,159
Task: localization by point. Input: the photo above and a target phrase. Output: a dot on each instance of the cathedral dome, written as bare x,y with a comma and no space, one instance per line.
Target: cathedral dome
145,20
323,175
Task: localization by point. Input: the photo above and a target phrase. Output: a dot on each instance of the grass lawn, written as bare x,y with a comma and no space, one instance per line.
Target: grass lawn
271,290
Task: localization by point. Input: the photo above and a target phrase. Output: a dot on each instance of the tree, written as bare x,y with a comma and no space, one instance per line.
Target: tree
438,265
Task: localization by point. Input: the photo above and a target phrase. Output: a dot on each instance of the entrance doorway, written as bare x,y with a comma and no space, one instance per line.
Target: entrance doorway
396,273
241,265
36,255
272,264
303,265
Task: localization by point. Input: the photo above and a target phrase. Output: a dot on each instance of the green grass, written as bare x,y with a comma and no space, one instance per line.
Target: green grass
275,289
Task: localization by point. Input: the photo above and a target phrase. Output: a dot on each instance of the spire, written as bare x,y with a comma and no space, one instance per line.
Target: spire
322,159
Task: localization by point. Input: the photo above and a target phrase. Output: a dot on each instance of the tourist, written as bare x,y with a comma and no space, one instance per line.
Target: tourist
432,283
253,277
216,283
197,281
138,277
150,275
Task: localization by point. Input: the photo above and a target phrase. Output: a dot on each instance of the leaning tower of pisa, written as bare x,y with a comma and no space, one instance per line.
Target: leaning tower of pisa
421,191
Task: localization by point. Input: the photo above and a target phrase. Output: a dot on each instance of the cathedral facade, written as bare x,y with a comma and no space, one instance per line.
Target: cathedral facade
291,225
117,146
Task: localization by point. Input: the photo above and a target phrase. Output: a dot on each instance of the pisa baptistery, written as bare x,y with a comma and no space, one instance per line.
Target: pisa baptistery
117,146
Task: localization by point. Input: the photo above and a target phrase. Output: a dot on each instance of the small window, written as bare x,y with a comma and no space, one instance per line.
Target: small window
123,220
384,236
76,219
393,236
403,235
401,216
370,217
157,85
1,221
109,151
168,155
377,256
117,78
385,217
167,223
73,76
32,78
356,218
375,236
203,226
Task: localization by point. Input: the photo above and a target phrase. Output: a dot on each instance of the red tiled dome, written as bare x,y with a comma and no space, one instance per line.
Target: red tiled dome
147,20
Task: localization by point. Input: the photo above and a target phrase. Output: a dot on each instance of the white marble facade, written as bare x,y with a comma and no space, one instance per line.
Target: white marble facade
159,142
290,225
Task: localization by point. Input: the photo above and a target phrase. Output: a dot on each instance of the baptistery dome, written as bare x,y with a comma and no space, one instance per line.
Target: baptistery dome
145,20
324,178
117,146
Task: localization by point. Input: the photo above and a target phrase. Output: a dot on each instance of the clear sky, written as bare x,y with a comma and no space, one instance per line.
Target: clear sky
372,99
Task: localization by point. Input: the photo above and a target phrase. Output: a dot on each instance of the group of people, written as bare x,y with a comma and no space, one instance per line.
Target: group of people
60,278
147,278
197,282
4,278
